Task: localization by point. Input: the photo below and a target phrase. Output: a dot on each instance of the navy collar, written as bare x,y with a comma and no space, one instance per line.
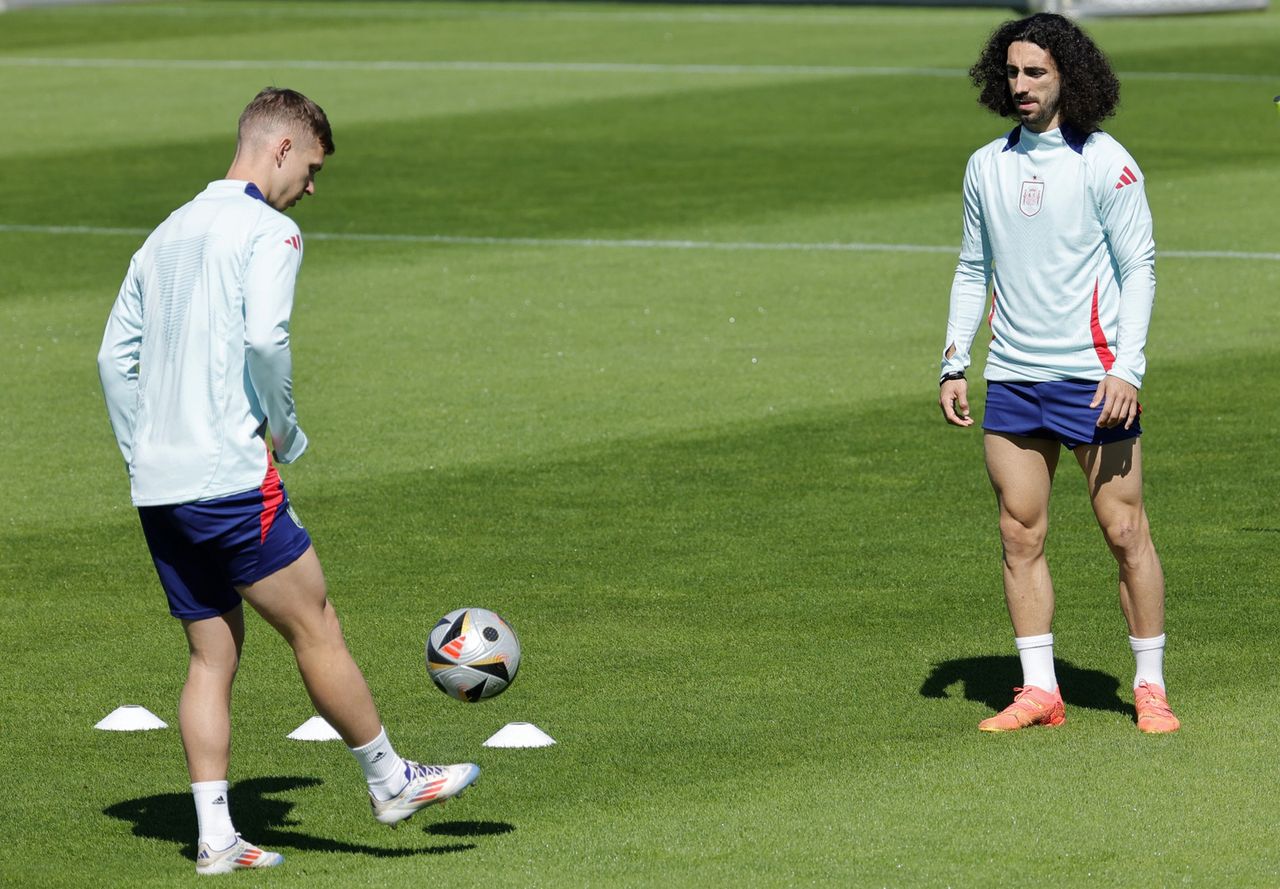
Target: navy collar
1074,138
252,191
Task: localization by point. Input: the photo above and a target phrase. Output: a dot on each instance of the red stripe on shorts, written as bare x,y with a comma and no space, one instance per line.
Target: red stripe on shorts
272,497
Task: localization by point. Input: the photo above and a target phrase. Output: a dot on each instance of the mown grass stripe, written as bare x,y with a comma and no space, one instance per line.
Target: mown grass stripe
620,243
575,68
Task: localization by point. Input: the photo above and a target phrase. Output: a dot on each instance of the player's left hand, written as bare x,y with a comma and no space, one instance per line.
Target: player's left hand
1119,402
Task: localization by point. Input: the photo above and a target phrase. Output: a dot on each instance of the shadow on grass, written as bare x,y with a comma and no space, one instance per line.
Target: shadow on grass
469,828
265,821
990,680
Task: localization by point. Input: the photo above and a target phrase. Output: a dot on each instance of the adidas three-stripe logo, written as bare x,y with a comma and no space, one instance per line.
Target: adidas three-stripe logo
1128,177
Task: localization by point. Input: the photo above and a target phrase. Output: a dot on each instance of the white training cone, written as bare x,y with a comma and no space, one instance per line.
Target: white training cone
315,729
520,734
130,718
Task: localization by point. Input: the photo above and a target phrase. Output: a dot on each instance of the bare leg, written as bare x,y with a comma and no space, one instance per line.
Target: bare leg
204,711
1021,471
1114,473
293,600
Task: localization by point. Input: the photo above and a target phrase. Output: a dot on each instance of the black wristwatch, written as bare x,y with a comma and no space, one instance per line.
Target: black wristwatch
954,375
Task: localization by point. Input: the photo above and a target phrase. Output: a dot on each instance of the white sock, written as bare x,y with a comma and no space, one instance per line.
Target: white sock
1036,654
1148,655
213,814
383,767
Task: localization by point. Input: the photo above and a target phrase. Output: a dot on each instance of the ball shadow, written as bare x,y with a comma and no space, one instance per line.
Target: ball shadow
469,828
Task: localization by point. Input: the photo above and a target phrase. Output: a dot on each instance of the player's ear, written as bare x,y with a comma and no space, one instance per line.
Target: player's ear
282,150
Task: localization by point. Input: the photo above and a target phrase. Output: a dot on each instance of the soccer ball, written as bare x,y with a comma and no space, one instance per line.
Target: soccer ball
472,654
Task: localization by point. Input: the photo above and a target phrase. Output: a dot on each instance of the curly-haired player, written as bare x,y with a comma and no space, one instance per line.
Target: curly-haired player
1056,217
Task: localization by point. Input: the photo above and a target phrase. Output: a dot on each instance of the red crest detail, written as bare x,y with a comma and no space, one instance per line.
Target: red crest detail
1032,198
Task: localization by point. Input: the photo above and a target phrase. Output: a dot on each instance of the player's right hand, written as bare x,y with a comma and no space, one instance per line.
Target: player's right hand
953,398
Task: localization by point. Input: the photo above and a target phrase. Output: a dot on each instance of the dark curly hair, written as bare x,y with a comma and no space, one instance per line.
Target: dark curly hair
1090,91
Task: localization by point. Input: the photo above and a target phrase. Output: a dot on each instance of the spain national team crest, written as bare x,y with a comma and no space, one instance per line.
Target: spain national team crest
1032,197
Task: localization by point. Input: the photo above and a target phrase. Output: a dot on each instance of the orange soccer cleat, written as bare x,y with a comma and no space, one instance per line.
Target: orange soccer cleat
1154,715
1031,706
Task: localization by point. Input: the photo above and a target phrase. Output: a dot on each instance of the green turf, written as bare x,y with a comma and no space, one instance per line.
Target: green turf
755,576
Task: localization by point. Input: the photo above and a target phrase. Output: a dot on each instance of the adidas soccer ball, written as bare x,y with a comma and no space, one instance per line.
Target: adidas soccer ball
472,654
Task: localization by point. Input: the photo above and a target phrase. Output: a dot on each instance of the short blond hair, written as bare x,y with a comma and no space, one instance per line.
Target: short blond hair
275,108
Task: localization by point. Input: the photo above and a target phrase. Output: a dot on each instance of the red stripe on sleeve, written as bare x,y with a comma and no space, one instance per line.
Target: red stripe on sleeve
1100,346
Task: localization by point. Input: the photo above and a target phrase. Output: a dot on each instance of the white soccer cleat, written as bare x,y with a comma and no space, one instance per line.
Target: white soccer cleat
427,785
239,855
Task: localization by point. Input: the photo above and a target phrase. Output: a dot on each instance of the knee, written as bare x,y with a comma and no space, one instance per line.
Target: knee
220,664
1021,542
318,629
332,627
1129,537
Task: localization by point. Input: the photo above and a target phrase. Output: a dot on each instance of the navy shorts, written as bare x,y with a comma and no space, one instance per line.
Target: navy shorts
1058,409
204,550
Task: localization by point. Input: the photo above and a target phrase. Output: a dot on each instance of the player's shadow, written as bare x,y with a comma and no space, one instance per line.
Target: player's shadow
990,680
266,821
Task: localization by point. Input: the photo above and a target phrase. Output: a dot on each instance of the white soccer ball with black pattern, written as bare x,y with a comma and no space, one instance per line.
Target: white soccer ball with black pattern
472,654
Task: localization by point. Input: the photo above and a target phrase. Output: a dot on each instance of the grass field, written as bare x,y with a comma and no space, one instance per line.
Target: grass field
624,321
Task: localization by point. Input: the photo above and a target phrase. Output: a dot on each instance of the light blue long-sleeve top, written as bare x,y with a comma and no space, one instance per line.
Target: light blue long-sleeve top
1059,223
195,361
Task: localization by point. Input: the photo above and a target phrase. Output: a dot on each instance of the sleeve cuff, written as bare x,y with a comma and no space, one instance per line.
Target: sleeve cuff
291,449
1128,376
